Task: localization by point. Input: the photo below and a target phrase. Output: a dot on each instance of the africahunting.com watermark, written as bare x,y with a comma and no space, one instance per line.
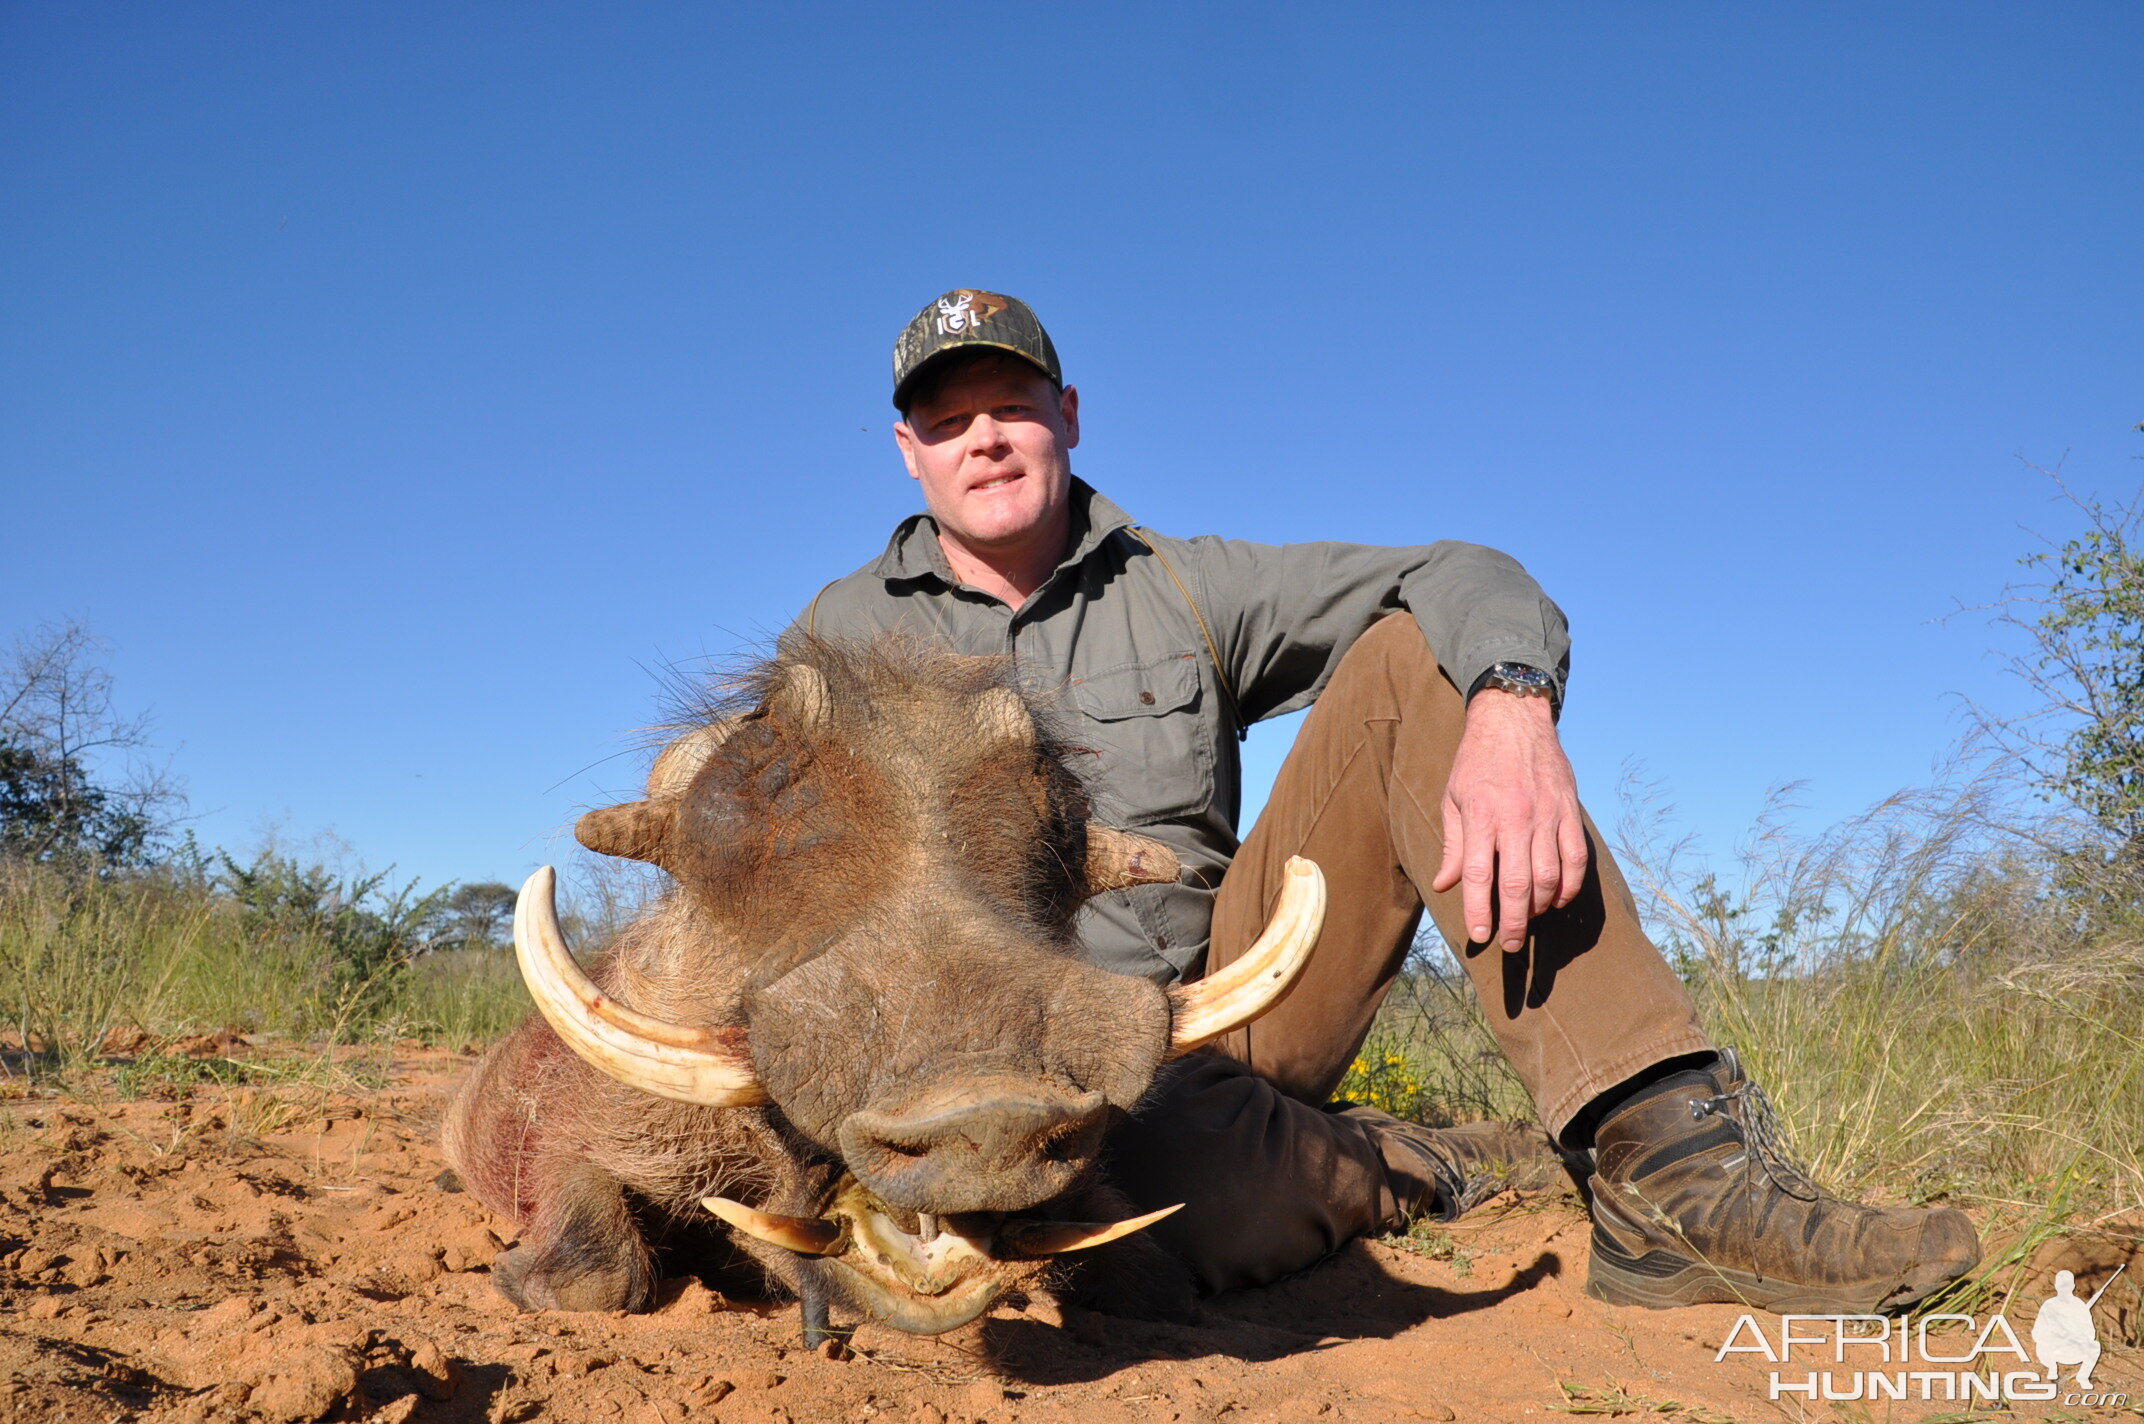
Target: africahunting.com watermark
1871,1357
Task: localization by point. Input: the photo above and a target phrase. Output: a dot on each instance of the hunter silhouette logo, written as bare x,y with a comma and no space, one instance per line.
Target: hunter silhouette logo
2063,1332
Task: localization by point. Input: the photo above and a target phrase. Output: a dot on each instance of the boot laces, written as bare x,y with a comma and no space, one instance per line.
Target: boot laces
1763,1134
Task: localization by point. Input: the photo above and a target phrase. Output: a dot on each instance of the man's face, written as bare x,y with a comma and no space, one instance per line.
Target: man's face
992,448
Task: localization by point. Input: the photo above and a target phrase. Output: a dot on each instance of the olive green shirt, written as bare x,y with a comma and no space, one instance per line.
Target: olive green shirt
1111,641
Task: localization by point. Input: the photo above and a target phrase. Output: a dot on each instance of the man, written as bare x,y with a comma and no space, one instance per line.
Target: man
1428,774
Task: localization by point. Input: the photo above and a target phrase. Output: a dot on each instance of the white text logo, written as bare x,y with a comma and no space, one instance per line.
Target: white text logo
1874,1357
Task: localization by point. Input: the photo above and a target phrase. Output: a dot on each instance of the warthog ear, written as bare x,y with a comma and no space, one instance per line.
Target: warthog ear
1003,718
681,761
635,830
801,694
1116,859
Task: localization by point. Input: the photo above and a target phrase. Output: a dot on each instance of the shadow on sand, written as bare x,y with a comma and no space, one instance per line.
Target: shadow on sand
1349,1296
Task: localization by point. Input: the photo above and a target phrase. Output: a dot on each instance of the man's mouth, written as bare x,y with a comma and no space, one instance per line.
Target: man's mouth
998,483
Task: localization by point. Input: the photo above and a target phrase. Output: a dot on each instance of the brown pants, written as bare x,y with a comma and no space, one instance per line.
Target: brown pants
1274,1180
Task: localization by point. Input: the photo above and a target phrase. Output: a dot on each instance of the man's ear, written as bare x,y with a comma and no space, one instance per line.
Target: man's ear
1068,409
906,439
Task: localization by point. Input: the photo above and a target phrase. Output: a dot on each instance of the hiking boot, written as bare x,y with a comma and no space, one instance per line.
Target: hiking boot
1445,1172
1696,1200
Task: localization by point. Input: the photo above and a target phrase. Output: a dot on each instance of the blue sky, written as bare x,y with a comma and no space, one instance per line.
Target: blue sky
397,387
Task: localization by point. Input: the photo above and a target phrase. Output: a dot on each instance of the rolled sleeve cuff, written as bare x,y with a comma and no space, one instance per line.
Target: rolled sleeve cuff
1479,661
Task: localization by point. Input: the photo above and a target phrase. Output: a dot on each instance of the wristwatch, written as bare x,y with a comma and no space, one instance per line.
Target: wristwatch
1520,680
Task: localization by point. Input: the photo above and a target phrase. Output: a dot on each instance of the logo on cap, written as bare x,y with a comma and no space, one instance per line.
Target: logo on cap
965,310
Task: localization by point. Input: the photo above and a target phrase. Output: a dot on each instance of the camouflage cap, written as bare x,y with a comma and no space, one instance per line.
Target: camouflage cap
963,318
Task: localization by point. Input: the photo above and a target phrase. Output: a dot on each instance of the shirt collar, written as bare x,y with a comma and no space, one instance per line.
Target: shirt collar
914,552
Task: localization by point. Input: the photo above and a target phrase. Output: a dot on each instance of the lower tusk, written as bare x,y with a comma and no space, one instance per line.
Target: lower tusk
807,1236
926,1227
1054,1238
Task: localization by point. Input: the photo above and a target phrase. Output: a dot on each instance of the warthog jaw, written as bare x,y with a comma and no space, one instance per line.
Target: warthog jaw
942,1275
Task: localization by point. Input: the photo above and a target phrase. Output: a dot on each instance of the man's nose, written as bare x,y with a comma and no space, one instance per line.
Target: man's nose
986,436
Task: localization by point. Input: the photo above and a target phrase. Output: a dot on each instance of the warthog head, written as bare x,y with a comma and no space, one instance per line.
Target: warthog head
882,860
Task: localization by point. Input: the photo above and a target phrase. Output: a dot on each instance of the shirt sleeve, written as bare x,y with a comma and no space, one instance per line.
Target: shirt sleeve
1284,614
853,607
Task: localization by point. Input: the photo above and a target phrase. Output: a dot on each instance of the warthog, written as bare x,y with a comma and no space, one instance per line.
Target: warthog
859,1031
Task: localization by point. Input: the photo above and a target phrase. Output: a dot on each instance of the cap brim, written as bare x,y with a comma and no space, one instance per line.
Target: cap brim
962,348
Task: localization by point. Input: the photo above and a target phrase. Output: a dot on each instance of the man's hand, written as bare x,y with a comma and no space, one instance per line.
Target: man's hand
1511,818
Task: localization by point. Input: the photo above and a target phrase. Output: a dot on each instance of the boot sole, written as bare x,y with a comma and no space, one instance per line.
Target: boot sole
1659,1280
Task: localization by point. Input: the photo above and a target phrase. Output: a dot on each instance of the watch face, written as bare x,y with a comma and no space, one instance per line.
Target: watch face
1522,675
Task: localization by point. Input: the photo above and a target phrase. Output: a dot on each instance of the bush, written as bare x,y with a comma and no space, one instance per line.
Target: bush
2083,632
364,933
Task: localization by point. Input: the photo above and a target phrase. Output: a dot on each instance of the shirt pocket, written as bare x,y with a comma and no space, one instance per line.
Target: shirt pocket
1146,724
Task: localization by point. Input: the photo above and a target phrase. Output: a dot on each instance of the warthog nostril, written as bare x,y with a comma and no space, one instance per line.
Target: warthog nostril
990,1146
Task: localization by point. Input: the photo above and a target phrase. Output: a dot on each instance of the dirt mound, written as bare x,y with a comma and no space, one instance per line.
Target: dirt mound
257,1254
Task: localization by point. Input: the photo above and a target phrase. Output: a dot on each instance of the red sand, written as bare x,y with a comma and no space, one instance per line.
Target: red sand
157,1264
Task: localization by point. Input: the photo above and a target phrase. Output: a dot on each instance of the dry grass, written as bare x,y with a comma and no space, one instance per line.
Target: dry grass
83,959
1617,1400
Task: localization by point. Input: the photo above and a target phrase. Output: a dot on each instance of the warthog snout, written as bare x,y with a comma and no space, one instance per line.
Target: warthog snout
997,1144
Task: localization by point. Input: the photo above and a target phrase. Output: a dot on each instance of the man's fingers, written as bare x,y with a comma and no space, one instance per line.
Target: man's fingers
1469,862
1477,882
1571,844
1515,888
1455,840
1548,871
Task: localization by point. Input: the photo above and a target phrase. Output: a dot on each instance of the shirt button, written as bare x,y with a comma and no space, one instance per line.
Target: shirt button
1146,699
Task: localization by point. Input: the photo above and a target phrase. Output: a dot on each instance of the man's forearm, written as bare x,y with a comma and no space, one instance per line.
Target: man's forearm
1479,606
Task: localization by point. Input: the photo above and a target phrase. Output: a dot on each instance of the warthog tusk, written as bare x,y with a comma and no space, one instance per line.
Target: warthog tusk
1054,1238
1239,992
807,1236
689,1065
